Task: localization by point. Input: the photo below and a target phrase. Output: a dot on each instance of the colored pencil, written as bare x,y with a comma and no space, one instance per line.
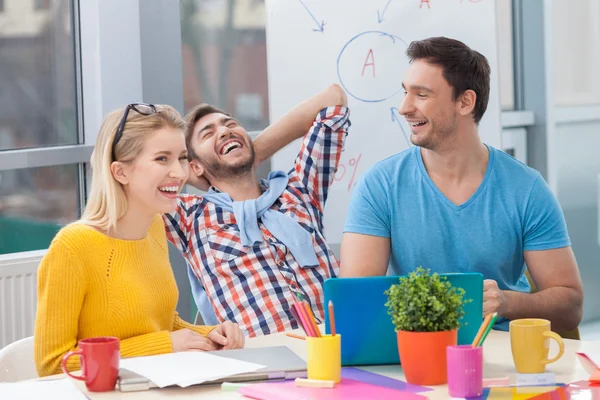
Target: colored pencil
488,329
304,318
301,312
293,335
482,328
297,318
311,319
331,319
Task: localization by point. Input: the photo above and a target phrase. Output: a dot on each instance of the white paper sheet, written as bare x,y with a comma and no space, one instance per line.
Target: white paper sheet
62,389
186,368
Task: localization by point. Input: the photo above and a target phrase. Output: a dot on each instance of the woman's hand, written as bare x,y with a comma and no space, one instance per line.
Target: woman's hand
187,339
226,336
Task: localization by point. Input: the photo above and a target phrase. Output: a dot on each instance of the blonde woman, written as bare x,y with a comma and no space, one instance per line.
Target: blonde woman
108,274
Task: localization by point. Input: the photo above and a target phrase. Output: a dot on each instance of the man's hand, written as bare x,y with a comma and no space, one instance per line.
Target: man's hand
187,339
226,336
493,298
199,182
335,96
296,122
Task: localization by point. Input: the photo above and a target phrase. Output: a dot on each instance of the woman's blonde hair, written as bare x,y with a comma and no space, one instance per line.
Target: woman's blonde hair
107,202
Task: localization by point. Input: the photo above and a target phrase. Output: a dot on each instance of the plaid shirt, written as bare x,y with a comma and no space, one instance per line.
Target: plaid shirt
255,285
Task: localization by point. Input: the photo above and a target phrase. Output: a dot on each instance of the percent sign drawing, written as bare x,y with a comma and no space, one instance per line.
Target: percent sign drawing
341,172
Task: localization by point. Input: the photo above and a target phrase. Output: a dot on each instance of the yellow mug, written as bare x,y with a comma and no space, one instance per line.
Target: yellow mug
324,357
529,343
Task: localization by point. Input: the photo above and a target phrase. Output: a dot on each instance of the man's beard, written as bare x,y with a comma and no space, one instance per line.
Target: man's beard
222,171
438,135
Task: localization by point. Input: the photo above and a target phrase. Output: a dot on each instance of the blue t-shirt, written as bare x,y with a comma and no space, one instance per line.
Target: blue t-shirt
513,210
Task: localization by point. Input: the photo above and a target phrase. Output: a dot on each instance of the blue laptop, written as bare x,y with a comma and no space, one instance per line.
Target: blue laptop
368,335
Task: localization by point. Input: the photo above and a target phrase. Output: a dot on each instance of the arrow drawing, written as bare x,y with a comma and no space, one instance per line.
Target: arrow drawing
320,25
381,14
396,119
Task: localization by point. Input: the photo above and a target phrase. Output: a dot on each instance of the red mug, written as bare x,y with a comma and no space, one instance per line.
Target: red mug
99,363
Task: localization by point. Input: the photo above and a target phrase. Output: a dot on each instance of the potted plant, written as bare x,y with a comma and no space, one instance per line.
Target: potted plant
426,310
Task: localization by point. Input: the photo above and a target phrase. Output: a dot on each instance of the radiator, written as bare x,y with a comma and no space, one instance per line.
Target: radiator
18,295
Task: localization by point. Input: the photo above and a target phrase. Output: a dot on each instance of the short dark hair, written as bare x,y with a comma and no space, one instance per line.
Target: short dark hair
464,68
193,116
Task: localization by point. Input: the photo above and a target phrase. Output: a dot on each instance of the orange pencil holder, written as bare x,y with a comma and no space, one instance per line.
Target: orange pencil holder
324,357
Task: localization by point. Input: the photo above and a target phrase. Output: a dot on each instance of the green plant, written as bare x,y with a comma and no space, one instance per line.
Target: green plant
425,302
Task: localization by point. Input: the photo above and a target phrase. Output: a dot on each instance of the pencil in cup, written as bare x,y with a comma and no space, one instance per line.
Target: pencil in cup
484,329
301,311
488,329
311,319
331,319
297,318
481,329
304,318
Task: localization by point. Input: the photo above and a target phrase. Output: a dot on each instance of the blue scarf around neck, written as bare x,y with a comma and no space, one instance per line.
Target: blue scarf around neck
297,239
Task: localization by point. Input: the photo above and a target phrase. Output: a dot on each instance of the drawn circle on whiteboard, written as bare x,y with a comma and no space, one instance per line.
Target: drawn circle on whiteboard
371,65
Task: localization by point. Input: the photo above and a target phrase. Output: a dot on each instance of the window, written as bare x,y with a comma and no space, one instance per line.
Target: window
225,57
38,109
37,83
34,204
576,37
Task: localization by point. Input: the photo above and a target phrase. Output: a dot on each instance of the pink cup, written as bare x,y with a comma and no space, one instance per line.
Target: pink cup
465,371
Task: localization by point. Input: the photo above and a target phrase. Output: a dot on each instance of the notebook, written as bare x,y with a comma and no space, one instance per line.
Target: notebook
280,361
361,317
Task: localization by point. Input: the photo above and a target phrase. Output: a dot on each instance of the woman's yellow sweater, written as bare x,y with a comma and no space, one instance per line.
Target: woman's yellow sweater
90,284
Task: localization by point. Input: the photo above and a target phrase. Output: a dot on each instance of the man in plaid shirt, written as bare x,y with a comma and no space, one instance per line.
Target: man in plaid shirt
251,247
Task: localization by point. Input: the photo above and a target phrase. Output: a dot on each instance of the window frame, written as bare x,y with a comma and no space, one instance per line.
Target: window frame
50,156
129,70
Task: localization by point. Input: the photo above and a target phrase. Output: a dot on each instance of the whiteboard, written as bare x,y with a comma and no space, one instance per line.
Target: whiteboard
361,45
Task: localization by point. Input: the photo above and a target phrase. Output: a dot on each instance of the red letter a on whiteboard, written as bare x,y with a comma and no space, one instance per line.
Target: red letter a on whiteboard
369,62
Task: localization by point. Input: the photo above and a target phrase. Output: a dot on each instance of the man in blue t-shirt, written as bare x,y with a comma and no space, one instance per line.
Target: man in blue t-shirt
453,204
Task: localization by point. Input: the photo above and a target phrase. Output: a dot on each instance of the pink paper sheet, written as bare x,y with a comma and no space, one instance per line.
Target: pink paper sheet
347,390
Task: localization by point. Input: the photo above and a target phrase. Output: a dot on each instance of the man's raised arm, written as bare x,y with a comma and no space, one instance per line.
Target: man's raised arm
296,122
293,125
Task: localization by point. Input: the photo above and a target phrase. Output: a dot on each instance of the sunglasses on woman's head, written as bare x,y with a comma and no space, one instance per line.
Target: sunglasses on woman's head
140,108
